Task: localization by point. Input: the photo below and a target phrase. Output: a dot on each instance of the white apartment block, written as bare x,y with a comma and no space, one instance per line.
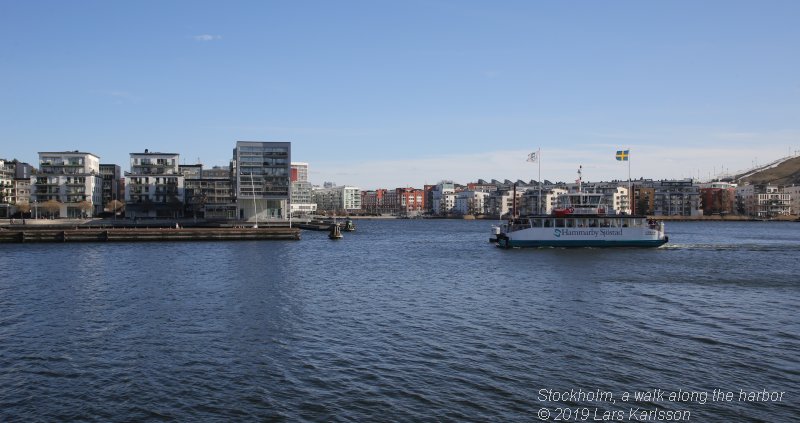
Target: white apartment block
444,198
70,179
154,187
301,194
7,170
7,197
471,202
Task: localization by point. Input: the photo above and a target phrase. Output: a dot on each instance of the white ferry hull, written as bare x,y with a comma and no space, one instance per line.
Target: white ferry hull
582,237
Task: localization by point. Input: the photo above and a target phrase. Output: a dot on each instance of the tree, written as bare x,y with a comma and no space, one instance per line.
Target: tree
146,205
174,204
86,207
116,206
52,207
198,204
443,211
643,206
23,208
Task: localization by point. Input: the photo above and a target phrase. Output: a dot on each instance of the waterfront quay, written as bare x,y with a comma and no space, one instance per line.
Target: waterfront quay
113,234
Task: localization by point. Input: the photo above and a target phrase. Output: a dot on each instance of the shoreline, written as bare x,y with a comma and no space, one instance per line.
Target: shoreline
105,224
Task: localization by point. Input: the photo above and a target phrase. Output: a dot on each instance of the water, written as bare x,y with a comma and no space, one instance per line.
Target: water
403,320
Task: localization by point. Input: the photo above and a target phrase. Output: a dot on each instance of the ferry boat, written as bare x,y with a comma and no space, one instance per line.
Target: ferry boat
580,220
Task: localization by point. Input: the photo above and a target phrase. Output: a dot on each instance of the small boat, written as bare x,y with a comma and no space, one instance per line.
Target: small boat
495,233
336,232
349,226
580,220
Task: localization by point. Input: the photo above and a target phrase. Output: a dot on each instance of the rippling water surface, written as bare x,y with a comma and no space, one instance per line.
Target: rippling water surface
402,320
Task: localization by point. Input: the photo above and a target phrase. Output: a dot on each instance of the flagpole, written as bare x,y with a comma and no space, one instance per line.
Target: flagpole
630,190
539,156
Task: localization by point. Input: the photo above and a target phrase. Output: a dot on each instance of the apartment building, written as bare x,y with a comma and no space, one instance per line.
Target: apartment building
262,180
763,201
410,201
154,187
443,198
7,170
373,201
301,194
794,198
530,203
501,202
68,184
470,202
670,197
338,200
112,188
718,198
208,193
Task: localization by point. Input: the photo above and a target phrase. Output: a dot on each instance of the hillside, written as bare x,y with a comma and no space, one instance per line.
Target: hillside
785,173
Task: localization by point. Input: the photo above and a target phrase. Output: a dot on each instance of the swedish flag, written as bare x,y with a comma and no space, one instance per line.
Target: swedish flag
622,155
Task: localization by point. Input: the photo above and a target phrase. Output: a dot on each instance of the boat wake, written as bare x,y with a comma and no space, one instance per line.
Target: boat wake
734,247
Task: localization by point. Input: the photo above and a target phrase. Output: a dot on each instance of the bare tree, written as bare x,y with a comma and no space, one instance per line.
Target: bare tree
86,208
52,207
116,206
174,204
199,204
23,208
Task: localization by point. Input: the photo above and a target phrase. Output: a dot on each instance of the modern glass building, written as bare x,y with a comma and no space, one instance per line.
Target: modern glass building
261,173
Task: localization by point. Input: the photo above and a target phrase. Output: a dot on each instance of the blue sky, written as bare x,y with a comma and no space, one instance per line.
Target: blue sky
395,93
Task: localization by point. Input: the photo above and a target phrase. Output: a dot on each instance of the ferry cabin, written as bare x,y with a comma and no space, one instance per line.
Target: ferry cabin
579,221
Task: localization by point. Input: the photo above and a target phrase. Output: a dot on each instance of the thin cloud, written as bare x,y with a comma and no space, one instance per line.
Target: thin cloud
207,37
119,96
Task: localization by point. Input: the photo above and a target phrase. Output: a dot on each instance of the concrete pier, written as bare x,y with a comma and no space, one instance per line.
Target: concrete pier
146,234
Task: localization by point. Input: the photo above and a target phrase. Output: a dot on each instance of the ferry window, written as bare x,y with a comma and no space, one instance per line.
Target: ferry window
570,223
559,223
537,223
548,223
592,223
